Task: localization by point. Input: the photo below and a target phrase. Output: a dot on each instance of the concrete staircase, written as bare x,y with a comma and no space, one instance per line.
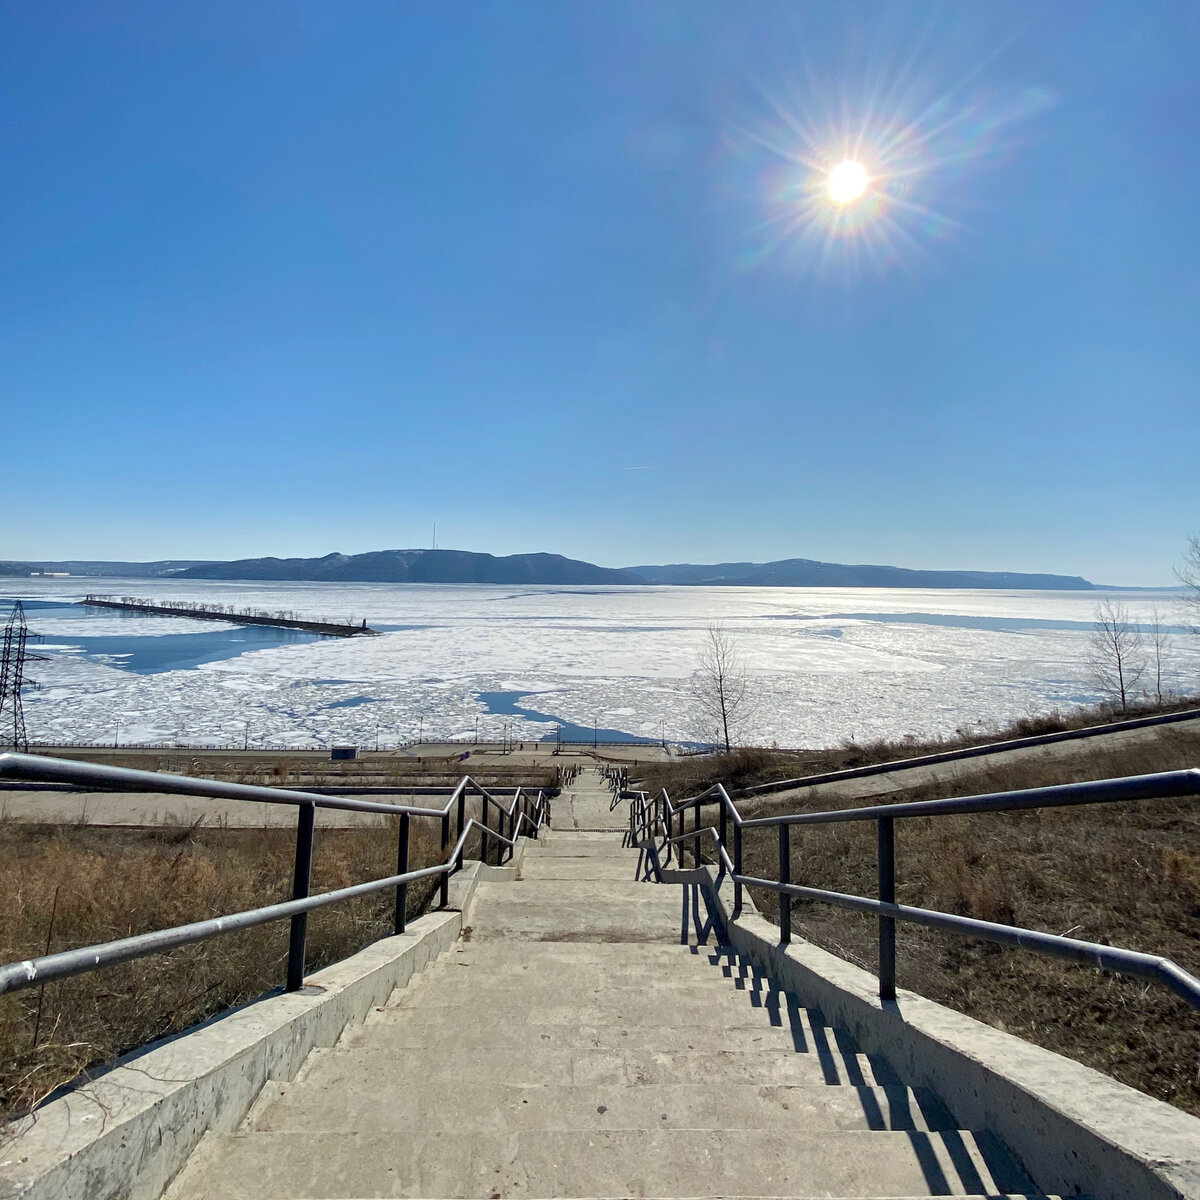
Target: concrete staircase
570,1045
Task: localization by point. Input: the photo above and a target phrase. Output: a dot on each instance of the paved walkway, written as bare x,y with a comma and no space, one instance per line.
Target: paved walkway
589,804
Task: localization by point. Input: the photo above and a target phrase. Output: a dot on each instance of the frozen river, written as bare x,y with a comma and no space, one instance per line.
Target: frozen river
826,664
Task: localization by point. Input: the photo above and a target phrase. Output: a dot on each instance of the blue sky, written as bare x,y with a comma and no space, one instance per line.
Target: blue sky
283,278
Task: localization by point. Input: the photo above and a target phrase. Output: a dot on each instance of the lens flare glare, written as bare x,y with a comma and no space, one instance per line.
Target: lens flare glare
874,175
847,182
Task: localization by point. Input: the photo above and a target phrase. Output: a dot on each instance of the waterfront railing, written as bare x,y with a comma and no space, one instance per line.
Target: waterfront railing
499,826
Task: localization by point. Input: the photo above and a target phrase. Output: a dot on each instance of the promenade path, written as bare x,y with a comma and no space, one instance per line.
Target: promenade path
572,1045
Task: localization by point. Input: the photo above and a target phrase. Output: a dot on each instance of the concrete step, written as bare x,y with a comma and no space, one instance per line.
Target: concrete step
580,837
806,1032
516,1022
596,1004
472,1107
831,1053
595,866
555,844
398,1032
373,1065
471,986
646,1163
547,965
552,962
587,953
582,911
717,966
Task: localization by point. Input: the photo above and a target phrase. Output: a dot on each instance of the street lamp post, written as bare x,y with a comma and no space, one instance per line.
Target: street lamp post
117,734
376,737
477,729
420,729
596,733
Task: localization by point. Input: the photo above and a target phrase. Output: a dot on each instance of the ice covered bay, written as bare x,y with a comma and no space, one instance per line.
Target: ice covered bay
827,663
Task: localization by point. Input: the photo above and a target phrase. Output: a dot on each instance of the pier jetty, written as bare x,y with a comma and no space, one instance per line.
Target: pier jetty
218,612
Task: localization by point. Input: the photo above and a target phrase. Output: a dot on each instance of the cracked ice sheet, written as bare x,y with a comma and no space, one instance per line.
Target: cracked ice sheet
617,656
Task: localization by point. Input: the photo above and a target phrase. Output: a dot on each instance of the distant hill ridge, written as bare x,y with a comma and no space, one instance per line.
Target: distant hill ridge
466,566
416,566
807,572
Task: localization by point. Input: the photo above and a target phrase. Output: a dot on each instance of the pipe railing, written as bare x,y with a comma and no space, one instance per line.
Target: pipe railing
652,829
526,812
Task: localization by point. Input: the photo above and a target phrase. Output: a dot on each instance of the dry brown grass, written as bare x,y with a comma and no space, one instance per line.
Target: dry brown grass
749,767
69,886
312,769
1127,875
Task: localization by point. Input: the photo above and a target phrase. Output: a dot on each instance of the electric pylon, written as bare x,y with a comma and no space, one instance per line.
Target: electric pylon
13,679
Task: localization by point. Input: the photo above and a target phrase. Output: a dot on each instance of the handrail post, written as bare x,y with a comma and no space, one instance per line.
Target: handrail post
785,877
886,849
301,877
444,899
737,870
462,821
484,840
724,834
696,839
402,869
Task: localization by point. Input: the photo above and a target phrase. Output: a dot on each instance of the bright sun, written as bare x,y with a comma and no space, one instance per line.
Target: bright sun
847,182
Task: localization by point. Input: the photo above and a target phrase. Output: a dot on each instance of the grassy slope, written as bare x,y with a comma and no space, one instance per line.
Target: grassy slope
70,886
1128,875
748,767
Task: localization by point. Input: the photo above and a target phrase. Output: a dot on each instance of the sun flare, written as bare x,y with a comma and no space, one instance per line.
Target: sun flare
847,182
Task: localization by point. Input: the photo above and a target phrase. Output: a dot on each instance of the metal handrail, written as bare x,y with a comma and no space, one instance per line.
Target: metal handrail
893,766
524,811
652,825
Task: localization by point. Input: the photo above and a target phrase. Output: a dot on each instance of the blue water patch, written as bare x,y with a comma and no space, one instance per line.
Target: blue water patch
353,702
58,608
182,651
149,654
505,704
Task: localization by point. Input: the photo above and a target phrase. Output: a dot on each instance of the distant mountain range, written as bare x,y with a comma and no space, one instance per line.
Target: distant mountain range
124,570
807,572
415,566
465,566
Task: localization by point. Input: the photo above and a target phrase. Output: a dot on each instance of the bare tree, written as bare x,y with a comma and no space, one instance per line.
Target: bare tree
719,687
1117,654
1159,643
1189,576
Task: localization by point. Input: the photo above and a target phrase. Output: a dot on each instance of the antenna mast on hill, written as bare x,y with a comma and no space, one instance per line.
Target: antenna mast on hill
13,679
